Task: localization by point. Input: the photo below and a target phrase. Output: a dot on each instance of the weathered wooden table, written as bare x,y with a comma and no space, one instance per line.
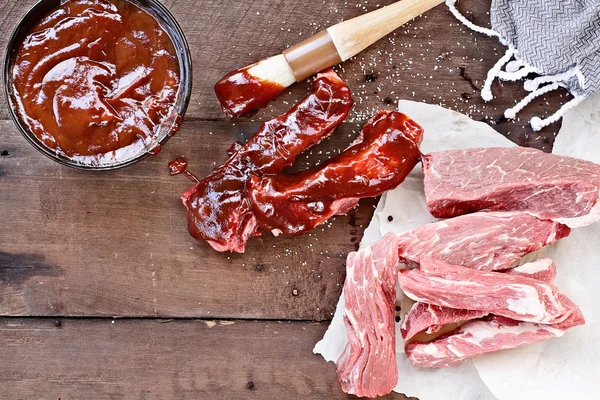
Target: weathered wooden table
104,295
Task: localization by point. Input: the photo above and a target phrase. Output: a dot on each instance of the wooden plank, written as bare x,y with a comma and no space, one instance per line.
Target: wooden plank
153,359
433,59
76,243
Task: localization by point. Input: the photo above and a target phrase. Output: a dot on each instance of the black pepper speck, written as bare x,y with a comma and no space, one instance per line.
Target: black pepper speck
57,323
390,218
4,153
259,267
250,385
387,100
371,77
397,319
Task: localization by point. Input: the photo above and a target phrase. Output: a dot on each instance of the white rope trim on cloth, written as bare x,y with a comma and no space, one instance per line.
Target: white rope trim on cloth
514,76
533,84
537,123
511,113
489,32
514,65
486,91
516,70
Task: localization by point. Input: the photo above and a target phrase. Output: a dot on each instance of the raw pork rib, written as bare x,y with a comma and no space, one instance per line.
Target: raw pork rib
488,241
484,336
379,160
543,270
548,186
430,319
367,367
218,210
512,296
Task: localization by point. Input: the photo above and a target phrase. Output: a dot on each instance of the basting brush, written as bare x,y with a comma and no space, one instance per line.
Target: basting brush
245,90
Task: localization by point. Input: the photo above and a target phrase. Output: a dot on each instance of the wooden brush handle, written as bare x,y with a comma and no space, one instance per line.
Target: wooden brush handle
348,38
353,36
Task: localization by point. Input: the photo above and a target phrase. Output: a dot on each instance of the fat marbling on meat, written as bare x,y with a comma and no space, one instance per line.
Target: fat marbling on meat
549,186
367,367
493,333
543,269
513,296
431,319
488,241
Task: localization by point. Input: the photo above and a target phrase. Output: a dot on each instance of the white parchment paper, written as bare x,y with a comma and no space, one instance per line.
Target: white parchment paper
568,367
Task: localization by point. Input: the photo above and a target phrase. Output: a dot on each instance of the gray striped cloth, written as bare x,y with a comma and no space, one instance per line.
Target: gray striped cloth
559,40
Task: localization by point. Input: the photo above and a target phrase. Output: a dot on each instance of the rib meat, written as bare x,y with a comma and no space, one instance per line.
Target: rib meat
430,319
487,335
367,367
543,270
436,320
488,241
548,186
218,210
379,160
517,297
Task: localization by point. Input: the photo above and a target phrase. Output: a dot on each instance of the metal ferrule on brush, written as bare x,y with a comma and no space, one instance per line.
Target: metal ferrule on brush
312,55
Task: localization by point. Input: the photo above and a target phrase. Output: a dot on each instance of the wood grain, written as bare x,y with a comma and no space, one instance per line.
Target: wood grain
75,244
436,59
101,244
154,359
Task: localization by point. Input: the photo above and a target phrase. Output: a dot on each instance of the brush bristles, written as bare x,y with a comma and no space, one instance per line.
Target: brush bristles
275,69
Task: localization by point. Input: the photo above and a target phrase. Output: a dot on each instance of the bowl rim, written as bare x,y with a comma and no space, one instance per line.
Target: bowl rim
185,85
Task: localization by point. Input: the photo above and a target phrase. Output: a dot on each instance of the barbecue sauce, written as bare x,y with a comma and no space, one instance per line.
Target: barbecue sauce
242,94
218,210
383,156
96,76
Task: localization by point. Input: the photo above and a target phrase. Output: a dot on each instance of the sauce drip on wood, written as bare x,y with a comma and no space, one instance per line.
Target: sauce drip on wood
177,166
96,76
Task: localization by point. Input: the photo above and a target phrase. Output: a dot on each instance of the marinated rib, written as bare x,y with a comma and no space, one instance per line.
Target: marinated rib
379,160
218,210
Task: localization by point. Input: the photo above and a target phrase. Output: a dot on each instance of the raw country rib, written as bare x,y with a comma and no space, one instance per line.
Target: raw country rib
379,160
488,241
218,210
436,320
430,319
517,297
548,186
482,336
543,270
367,367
